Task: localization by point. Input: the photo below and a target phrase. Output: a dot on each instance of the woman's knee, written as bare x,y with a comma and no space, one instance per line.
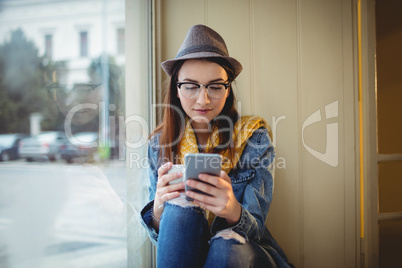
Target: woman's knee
226,250
231,249
180,210
183,219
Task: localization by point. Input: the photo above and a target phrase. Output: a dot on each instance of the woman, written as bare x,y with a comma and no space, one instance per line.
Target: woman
226,228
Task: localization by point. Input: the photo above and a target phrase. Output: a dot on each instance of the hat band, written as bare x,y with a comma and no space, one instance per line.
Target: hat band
201,48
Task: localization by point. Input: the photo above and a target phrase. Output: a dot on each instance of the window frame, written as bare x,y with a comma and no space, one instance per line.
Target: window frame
140,89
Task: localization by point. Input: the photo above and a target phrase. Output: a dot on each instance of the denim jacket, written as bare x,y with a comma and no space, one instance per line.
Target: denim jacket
252,183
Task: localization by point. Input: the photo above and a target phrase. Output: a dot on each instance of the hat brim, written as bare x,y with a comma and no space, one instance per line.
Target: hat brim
169,64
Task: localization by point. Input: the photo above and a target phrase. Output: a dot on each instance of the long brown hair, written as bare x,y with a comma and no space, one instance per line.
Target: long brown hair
172,127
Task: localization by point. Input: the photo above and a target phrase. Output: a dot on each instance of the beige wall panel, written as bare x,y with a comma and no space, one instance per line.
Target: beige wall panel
321,83
298,59
348,137
177,16
232,21
275,72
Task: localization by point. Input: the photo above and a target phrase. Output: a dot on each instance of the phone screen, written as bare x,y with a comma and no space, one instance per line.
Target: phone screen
201,163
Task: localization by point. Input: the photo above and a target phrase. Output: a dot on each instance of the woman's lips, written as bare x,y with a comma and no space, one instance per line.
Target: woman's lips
202,111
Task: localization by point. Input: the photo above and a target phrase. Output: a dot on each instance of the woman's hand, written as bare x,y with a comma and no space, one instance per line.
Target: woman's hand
222,201
164,191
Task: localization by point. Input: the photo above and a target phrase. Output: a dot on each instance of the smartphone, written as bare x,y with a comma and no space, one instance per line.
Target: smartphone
195,164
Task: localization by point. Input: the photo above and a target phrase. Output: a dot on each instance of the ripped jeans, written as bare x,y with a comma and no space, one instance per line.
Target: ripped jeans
184,241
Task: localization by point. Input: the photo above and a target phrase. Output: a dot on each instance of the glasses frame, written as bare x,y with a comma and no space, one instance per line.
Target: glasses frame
226,85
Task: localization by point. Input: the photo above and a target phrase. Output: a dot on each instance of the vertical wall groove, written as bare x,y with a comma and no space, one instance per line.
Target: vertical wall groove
205,12
300,149
252,53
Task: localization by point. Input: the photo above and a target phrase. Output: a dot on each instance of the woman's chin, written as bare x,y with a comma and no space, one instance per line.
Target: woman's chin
200,122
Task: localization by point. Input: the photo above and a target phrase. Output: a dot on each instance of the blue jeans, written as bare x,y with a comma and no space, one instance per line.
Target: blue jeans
184,242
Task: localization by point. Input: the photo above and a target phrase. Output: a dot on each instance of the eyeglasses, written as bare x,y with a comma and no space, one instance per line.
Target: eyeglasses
214,90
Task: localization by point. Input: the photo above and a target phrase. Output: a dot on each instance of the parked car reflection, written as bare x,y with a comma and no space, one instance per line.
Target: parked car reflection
83,147
9,146
45,146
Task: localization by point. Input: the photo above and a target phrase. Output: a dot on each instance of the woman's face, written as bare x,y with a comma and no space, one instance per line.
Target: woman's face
202,109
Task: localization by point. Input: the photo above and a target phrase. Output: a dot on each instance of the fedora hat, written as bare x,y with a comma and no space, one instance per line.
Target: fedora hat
202,42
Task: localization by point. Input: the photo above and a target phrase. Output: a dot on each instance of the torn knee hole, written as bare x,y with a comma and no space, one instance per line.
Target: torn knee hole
228,234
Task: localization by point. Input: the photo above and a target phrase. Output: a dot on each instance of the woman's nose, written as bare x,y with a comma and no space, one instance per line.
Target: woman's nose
202,97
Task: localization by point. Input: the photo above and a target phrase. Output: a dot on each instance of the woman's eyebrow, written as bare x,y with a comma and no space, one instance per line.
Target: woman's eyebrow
212,81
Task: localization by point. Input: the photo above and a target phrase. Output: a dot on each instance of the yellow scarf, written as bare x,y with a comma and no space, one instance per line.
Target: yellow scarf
243,129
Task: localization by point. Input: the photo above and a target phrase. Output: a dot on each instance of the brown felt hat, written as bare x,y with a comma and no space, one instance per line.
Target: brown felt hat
202,42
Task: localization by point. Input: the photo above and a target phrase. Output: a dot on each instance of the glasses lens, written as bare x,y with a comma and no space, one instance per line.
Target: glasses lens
189,90
216,90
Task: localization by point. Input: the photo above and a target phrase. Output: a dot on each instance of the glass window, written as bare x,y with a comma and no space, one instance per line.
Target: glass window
389,79
390,246
63,200
389,187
